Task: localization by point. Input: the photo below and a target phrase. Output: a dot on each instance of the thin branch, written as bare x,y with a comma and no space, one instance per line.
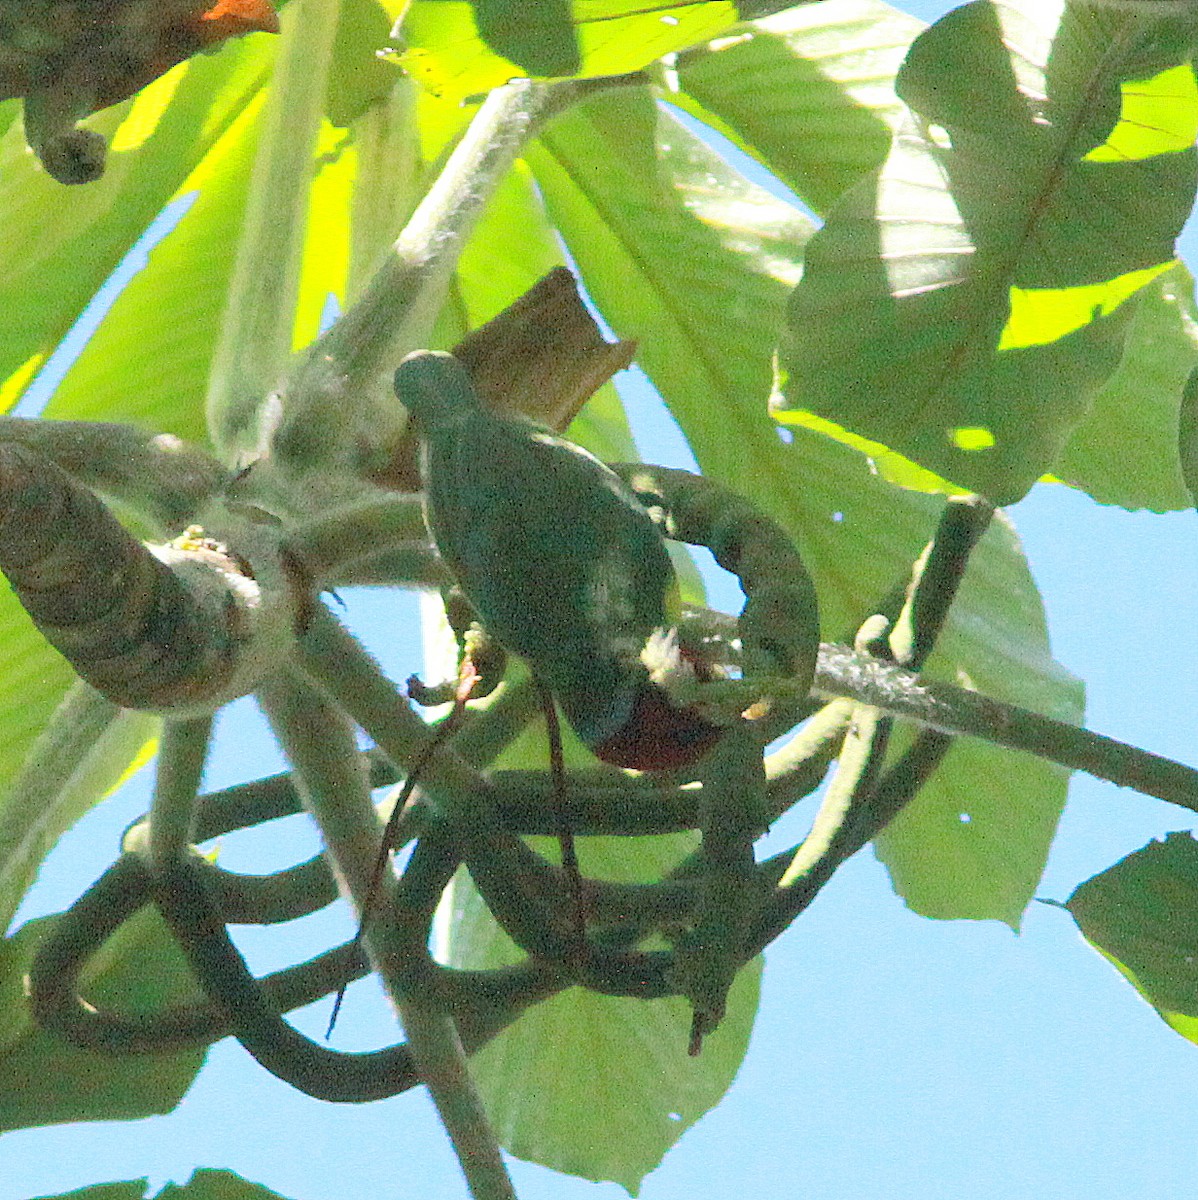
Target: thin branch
181,756
329,775
255,338
955,710
396,311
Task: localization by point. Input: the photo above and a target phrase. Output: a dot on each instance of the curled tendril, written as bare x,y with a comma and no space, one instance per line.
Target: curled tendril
463,814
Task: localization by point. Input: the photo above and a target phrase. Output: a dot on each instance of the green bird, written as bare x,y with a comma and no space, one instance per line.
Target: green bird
561,562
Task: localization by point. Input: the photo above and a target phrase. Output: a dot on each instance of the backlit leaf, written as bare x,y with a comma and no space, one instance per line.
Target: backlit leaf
964,305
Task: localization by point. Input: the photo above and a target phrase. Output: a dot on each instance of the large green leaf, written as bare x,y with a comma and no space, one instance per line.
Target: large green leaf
34,677
455,56
82,753
965,303
45,1080
680,252
49,269
1140,914
359,79
207,1184
809,92
1124,451
975,840
597,1086
142,368
133,1189
139,367
204,1184
546,37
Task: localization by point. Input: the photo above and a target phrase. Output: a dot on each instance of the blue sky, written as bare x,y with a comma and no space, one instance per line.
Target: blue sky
894,1057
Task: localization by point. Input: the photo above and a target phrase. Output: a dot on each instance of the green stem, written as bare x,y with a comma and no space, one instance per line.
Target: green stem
441,1062
255,339
847,673
955,710
861,753
330,544
853,819
320,744
342,666
397,309
937,576
180,771
164,480
387,138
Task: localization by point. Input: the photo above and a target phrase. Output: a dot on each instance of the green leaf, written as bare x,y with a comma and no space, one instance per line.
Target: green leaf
207,1184
963,848
82,754
679,251
45,1080
140,368
597,1086
964,305
539,37
443,48
134,1189
49,270
1187,435
544,37
34,678
204,1184
809,92
359,78
1140,914
1124,451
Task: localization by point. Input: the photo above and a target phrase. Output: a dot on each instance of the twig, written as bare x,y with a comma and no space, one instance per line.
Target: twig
181,756
320,745
955,710
254,343
396,310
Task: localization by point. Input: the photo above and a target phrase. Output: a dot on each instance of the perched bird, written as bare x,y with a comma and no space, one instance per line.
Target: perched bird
561,562
68,58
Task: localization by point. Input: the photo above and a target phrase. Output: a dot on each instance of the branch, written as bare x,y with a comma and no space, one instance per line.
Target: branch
396,311
255,338
330,777
163,479
181,628
181,756
850,674
955,710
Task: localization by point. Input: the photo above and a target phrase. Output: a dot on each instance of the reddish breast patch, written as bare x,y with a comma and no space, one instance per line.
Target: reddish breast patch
658,736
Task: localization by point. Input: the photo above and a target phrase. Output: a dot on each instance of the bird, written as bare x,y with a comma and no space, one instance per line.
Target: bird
69,58
561,562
